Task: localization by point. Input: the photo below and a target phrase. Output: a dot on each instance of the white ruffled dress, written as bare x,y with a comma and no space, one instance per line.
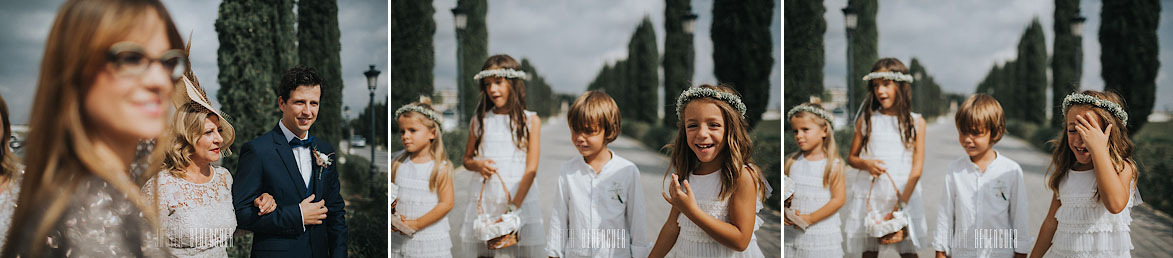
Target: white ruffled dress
497,145
415,200
822,239
1086,228
693,242
884,144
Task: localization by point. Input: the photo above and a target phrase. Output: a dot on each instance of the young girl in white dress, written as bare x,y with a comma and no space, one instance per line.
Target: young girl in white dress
423,174
1094,179
715,191
889,139
504,142
817,173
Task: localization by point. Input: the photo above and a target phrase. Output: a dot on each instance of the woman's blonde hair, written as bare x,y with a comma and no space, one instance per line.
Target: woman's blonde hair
187,126
737,154
1120,147
834,167
60,152
435,147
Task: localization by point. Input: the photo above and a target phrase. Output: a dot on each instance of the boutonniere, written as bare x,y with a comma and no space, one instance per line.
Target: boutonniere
323,159
617,191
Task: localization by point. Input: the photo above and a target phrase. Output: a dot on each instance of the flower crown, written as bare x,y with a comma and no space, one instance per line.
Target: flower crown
431,114
809,108
891,76
502,72
1080,98
702,92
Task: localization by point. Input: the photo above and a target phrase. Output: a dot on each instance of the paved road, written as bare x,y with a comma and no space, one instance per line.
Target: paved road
557,148
1152,232
365,152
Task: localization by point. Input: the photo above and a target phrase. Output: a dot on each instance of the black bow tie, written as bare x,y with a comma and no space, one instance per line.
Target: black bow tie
301,143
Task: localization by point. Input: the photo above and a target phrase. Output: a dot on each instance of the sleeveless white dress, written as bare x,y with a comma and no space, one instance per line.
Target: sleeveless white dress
693,242
884,144
497,145
415,200
8,205
197,219
822,239
1086,228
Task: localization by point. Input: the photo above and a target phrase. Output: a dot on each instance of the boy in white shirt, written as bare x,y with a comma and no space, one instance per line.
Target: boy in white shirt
983,212
599,203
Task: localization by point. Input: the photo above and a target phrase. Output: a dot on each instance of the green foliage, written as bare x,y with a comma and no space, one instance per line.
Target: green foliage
643,74
539,97
361,124
803,44
1031,73
1129,49
742,50
412,29
1067,57
319,46
366,216
927,98
255,50
454,144
767,154
864,50
678,56
1156,169
474,49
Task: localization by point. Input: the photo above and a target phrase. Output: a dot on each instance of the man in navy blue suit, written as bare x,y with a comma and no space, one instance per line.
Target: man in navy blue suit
298,171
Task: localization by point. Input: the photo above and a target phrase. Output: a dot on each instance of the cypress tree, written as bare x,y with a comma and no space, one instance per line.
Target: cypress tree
742,50
804,58
319,46
1128,41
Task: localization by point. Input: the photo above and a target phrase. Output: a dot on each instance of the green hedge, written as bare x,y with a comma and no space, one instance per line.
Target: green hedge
654,136
767,153
1154,147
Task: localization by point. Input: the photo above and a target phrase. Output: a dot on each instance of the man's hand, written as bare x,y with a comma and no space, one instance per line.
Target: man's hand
312,213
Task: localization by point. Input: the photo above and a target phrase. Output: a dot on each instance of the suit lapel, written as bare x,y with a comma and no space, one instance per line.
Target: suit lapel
286,154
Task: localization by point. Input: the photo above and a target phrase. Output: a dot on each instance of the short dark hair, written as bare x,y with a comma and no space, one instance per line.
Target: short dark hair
297,76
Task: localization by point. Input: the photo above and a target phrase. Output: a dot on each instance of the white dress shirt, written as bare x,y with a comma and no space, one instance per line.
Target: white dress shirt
598,215
301,156
983,214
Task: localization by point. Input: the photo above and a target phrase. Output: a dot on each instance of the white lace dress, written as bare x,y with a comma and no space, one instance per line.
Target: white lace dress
693,242
822,239
884,144
415,200
497,145
8,205
1086,228
197,219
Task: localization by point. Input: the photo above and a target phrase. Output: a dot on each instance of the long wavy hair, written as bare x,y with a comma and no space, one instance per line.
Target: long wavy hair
60,152
440,162
9,165
1120,147
514,104
738,152
834,166
901,105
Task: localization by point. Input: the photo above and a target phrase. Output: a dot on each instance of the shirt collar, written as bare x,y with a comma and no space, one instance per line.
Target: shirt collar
289,134
997,159
587,167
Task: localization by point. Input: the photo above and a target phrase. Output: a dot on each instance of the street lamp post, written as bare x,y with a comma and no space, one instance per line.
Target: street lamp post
688,22
372,84
461,21
849,21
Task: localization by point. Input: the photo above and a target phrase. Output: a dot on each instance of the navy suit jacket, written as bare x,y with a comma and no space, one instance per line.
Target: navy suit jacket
267,166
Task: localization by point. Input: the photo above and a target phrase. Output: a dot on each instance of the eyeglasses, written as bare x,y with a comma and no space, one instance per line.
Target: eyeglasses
128,58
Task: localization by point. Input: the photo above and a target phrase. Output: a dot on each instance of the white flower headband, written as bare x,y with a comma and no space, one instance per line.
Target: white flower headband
702,92
502,72
809,108
431,114
1080,98
891,76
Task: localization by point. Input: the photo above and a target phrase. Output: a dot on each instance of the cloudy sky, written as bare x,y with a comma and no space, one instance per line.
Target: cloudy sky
25,24
570,41
959,41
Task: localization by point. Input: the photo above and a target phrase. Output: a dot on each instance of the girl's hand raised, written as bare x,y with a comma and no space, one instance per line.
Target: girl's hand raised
486,167
680,196
1095,138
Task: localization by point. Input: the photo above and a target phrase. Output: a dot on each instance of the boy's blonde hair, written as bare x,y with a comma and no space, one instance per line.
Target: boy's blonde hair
594,111
981,113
